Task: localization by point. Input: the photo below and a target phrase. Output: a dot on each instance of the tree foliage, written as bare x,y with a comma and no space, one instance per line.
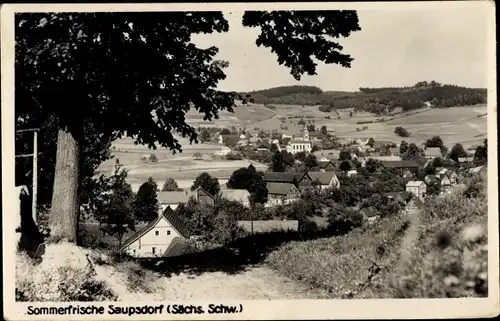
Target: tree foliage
137,74
481,154
207,182
170,185
248,178
146,206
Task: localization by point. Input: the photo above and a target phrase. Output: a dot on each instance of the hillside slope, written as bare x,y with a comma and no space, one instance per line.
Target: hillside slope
375,100
439,251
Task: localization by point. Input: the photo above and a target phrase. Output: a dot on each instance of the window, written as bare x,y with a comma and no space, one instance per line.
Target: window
168,232
153,250
157,233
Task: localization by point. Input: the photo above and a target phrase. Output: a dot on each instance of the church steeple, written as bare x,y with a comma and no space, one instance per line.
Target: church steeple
306,133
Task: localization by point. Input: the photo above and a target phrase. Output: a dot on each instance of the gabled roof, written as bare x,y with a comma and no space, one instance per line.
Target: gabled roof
170,216
431,178
414,183
433,152
370,211
174,197
279,188
324,164
401,164
177,247
238,195
323,177
283,177
394,151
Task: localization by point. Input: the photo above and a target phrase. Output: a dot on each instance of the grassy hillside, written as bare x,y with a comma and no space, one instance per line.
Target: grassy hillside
438,251
375,100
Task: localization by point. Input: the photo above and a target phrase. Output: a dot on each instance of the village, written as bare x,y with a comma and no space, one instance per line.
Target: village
305,167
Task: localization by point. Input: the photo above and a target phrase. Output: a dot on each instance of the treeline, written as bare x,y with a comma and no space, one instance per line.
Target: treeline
374,100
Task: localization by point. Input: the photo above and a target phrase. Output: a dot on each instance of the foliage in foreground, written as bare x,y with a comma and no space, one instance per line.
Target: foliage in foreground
441,251
60,284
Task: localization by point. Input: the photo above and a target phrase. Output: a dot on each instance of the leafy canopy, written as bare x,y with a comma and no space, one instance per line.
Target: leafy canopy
137,74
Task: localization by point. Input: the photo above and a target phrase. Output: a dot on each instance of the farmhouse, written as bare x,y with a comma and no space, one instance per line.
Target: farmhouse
324,180
163,237
300,180
326,165
174,198
238,195
281,193
370,213
417,188
262,148
432,152
223,151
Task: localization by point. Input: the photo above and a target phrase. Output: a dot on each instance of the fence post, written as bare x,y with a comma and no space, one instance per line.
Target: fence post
35,176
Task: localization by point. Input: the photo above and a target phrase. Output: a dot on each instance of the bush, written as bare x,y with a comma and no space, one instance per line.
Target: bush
436,252
62,283
153,158
400,131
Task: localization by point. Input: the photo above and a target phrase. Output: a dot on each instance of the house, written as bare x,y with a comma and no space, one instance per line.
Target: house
352,172
223,151
405,167
242,142
296,178
243,136
174,198
295,146
284,136
281,193
262,148
255,139
238,195
370,213
471,150
379,144
324,180
163,237
394,151
401,197
452,175
430,179
413,205
417,188
477,170
465,160
445,183
432,152
326,165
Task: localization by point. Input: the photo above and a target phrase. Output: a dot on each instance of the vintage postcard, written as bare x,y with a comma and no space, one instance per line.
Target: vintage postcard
249,161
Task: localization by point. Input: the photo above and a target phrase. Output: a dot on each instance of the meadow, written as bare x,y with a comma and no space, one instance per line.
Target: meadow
453,125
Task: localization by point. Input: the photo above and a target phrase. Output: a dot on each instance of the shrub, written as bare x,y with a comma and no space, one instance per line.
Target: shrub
400,131
62,283
153,158
438,251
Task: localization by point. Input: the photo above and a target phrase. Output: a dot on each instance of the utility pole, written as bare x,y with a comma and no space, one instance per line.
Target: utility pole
35,169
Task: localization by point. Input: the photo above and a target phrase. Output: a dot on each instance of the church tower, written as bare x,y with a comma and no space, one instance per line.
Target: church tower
306,133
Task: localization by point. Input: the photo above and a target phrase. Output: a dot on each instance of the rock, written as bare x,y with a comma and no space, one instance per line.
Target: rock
472,233
451,280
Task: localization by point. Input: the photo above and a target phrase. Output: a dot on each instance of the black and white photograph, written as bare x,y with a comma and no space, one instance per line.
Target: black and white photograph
155,157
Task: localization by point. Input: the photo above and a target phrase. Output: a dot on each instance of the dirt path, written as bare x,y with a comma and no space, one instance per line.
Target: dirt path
256,283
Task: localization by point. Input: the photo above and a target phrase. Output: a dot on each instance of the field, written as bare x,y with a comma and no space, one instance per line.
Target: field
181,166
453,125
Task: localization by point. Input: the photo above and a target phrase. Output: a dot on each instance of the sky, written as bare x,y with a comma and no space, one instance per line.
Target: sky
394,48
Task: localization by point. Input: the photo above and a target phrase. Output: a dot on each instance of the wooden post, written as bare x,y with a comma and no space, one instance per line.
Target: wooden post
35,176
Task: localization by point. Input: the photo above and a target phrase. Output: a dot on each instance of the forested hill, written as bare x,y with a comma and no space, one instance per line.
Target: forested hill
375,100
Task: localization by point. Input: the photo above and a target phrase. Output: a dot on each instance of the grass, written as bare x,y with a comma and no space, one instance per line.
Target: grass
441,251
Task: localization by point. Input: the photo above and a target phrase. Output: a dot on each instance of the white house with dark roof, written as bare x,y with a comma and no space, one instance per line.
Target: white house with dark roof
238,195
281,193
324,180
164,237
417,188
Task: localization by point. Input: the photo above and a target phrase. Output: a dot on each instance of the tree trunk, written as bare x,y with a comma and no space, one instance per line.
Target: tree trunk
65,199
